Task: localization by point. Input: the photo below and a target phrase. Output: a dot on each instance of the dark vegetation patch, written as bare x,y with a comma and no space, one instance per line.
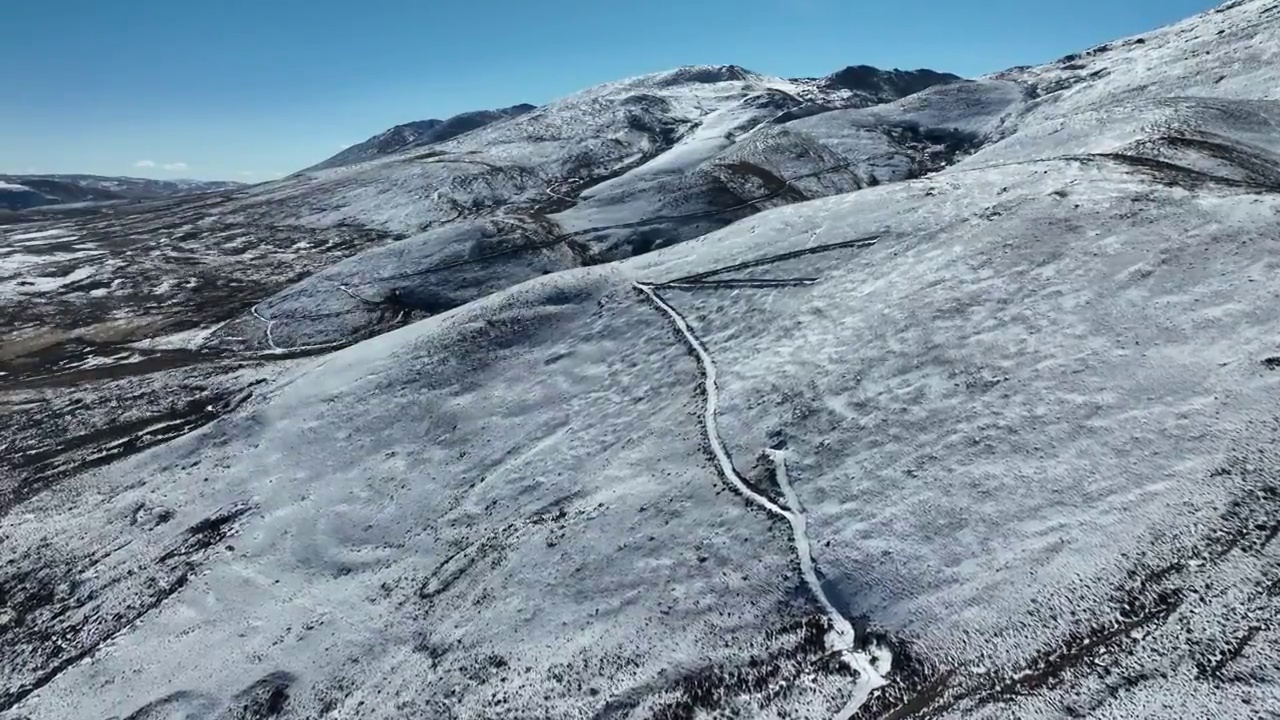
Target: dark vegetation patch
1259,169
772,184
1172,174
73,361
889,85
183,703
932,149
762,478
207,533
160,275
265,698
719,272
549,521
1214,662
60,610
41,451
761,680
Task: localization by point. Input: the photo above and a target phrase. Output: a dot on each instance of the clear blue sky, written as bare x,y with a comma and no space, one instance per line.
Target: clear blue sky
246,89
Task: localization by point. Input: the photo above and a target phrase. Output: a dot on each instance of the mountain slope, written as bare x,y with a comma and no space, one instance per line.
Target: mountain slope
990,437
420,133
606,173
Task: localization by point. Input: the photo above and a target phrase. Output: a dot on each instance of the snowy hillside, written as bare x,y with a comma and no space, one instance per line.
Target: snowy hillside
704,394
612,171
420,133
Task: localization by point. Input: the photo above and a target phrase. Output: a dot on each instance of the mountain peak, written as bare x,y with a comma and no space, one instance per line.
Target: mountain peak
420,133
886,85
702,75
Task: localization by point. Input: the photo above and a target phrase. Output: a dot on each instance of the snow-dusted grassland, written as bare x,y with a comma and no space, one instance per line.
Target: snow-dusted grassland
697,395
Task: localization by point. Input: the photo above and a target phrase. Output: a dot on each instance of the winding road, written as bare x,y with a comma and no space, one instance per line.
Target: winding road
871,663
270,340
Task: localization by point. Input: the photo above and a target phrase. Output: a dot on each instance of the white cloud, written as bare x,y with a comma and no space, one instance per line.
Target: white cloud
151,164
247,173
344,147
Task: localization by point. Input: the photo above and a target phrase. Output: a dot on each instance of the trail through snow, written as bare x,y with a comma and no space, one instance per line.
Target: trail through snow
270,340
869,664
278,351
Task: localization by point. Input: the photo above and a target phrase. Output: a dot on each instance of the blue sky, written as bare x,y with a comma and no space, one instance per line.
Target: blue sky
247,89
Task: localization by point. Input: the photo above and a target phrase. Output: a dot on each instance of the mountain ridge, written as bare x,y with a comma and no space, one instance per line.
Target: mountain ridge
20,192
852,85
419,133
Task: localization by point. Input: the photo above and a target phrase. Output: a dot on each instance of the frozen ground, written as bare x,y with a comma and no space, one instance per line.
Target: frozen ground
991,436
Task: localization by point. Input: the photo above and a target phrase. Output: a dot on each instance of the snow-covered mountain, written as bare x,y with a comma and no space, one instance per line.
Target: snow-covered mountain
606,173
19,192
420,133
867,84
697,394
882,86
